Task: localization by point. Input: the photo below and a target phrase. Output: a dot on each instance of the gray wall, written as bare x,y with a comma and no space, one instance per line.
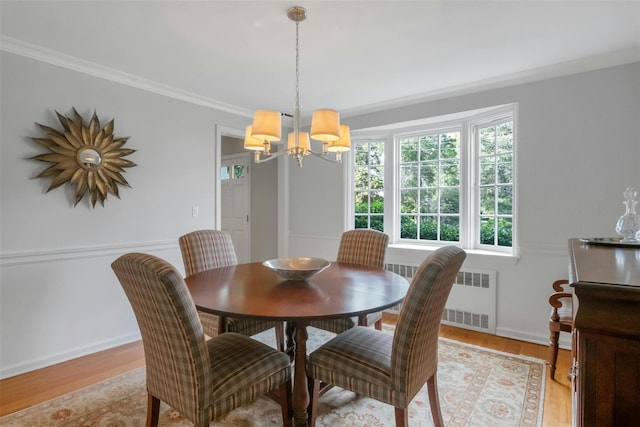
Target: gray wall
578,148
59,298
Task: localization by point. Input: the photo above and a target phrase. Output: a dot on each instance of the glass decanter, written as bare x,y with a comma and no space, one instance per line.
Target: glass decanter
629,223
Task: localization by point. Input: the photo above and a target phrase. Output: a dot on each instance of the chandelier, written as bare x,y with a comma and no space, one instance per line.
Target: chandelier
325,123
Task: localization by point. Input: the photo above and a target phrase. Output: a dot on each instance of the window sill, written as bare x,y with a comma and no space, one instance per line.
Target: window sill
473,254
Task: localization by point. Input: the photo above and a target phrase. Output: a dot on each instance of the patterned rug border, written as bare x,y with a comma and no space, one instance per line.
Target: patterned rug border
502,353
71,394
123,377
543,383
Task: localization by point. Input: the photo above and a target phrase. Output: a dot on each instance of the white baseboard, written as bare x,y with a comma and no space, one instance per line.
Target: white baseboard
32,365
564,342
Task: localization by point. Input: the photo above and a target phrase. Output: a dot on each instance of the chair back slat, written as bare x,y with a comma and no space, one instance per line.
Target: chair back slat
415,343
176,356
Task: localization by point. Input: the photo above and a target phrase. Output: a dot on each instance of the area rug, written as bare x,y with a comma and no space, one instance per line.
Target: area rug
477,387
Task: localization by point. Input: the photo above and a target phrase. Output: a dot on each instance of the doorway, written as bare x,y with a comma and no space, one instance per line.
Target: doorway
266,217
235,199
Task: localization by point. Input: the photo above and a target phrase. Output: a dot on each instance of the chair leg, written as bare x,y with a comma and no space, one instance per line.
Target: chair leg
362,321
434,401
153,410
222,325
553,352
402,417
280,336
314,395
284,397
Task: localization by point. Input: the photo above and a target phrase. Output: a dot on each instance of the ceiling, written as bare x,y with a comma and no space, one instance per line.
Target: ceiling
354,55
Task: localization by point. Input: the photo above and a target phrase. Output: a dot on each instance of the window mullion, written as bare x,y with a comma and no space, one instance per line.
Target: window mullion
391,197
495,190
467,186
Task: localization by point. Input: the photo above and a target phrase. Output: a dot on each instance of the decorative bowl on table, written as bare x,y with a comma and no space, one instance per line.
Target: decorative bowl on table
296,268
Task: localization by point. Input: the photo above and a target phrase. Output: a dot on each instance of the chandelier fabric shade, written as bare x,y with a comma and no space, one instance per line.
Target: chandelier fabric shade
304,144
251,143
267,125
325,123
343,143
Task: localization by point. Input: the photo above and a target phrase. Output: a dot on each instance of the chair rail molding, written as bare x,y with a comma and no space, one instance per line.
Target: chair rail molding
543,248
35,257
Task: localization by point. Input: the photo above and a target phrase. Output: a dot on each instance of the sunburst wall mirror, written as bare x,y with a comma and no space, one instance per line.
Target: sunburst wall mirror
85,155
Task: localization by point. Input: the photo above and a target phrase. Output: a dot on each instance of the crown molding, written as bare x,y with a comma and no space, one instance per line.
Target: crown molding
59,59
609,59
591,63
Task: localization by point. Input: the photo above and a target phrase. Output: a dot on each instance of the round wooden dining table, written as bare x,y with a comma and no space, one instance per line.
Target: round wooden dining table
255,291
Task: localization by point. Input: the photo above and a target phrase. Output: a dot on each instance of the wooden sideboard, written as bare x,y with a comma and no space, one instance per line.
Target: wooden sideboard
606,338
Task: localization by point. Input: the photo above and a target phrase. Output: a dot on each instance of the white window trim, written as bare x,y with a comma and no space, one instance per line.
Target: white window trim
468,120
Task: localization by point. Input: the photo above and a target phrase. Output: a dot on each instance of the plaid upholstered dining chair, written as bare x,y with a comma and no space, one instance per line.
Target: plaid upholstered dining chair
364,247
393,368
206,249
201,379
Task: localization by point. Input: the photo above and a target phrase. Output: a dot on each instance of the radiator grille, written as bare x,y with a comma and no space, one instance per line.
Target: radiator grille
458,317
472,301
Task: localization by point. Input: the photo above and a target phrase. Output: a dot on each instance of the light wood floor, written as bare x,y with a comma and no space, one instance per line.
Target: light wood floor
29,389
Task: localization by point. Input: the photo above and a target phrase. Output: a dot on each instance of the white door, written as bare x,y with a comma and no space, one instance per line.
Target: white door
235,203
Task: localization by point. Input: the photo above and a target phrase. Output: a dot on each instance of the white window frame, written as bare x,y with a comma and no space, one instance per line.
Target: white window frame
469,200
439,128
474,198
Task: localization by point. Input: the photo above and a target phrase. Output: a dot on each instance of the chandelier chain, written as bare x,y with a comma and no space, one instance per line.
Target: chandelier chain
297,65
296,113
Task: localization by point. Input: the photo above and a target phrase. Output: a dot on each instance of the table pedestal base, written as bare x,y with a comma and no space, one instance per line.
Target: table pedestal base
300,401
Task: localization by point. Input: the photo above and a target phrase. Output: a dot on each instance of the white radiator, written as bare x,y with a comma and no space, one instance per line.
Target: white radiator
472,301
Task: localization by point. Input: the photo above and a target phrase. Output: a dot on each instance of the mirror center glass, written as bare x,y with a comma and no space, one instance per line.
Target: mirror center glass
89,158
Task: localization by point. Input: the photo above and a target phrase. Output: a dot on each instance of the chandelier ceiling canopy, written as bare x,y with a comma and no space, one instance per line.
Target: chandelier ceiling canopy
325,123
